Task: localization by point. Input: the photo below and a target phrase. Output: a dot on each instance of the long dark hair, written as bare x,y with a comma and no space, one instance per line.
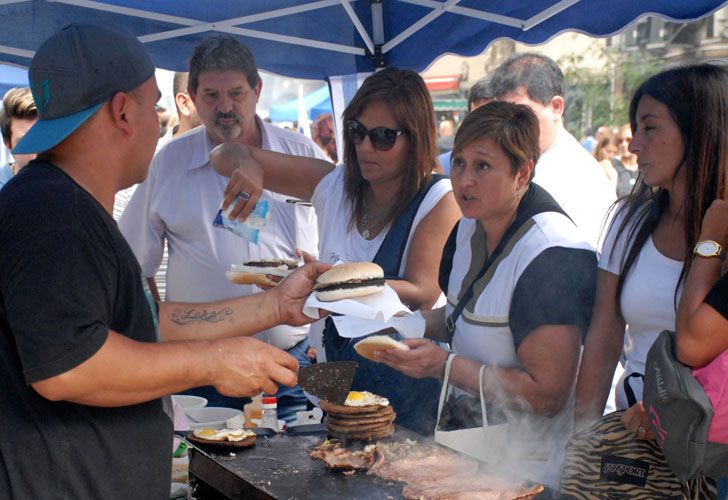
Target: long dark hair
406,95
697,98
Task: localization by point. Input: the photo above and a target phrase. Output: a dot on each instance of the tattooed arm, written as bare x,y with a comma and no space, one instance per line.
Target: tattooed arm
218,320
243,315
209,351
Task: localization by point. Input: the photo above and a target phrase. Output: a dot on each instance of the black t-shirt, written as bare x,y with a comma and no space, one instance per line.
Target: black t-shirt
67,276
557,288
718,296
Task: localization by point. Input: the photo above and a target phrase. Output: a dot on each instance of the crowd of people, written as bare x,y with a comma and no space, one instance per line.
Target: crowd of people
538,267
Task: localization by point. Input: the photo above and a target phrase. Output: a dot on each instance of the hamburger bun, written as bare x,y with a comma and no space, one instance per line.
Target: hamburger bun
255,272
365,348
345,281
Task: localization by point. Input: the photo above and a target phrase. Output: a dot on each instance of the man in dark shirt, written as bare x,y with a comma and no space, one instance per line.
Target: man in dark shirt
83,358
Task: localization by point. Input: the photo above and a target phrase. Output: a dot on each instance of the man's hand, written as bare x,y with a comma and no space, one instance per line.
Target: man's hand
424,359
244,366
234,160
292,292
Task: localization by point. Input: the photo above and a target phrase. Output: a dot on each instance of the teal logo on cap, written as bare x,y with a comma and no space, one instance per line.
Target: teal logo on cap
41,101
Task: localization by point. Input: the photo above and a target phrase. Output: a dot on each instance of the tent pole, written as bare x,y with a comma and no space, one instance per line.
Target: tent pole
358,25
548,13
378,34
470,12
13,51
419,25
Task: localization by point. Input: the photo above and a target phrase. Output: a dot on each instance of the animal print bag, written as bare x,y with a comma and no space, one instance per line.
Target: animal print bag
605,460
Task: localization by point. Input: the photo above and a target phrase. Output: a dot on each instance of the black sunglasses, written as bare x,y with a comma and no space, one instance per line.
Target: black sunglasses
382,138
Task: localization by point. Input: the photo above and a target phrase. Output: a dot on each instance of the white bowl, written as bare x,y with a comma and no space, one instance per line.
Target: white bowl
186,401
212,417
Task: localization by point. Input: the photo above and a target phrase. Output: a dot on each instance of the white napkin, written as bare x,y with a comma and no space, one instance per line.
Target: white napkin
380,306
411,326
181,423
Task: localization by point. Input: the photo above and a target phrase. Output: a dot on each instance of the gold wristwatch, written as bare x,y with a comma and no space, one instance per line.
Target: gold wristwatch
709,248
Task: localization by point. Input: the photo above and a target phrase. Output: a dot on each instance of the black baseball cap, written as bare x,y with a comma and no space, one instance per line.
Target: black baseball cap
73,73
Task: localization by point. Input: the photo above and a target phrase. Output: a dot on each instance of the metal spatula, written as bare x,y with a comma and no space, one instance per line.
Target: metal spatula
328,381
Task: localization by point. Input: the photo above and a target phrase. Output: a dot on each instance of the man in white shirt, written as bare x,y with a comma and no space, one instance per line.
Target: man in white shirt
188,119
182,194
565,169
570,174
186,111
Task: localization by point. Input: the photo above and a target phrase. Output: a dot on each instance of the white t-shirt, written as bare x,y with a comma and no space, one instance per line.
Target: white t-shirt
577,182
339,243
121,200
178,202
647,301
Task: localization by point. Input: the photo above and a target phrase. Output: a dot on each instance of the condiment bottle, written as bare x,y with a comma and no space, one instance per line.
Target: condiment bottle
270,413
253,410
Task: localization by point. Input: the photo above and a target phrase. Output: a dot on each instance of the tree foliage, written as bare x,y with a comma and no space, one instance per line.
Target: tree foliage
597,96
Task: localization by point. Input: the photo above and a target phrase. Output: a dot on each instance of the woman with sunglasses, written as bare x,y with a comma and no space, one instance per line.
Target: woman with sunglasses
389,159
519,294
625,163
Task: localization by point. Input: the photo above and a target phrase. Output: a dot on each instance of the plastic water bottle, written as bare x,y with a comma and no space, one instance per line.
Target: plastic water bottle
250,228
270,413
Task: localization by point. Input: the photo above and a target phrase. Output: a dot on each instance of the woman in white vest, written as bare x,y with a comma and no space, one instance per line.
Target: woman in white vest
520,283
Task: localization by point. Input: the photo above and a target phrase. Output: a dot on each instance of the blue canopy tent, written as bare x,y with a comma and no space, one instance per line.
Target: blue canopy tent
323,39
315,39
316,103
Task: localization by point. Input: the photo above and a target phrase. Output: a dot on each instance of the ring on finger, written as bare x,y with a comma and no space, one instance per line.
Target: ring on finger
641,430
243,196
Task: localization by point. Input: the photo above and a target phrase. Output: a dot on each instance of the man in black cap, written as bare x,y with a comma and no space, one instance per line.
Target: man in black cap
84,374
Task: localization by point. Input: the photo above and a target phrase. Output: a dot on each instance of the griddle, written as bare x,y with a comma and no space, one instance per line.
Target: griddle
279,467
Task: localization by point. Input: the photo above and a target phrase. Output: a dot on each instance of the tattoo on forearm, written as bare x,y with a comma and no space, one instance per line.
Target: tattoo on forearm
186,316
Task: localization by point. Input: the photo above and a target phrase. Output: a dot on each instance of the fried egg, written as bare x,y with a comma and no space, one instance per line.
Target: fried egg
238,434
222,434
363,398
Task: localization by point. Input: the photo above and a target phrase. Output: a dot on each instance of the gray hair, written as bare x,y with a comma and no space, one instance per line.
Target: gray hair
222,53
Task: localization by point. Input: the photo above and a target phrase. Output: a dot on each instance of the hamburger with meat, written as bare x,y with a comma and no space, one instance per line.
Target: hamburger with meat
345,281
256,272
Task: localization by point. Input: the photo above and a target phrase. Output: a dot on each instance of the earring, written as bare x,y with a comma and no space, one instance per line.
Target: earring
518,192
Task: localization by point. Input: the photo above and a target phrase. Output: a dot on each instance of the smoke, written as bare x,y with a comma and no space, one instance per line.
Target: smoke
531,448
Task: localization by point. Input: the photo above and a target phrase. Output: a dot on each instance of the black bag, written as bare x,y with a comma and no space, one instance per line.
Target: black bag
464,412
680,413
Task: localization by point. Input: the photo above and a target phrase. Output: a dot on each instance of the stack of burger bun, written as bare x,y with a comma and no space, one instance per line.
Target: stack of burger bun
256,272
345,281
363,416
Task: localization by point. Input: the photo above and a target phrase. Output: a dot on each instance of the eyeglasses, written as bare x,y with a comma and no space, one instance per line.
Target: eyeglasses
623,139
382,138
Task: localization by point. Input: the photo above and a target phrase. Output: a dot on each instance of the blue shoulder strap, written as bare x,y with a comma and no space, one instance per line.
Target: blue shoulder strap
390,253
